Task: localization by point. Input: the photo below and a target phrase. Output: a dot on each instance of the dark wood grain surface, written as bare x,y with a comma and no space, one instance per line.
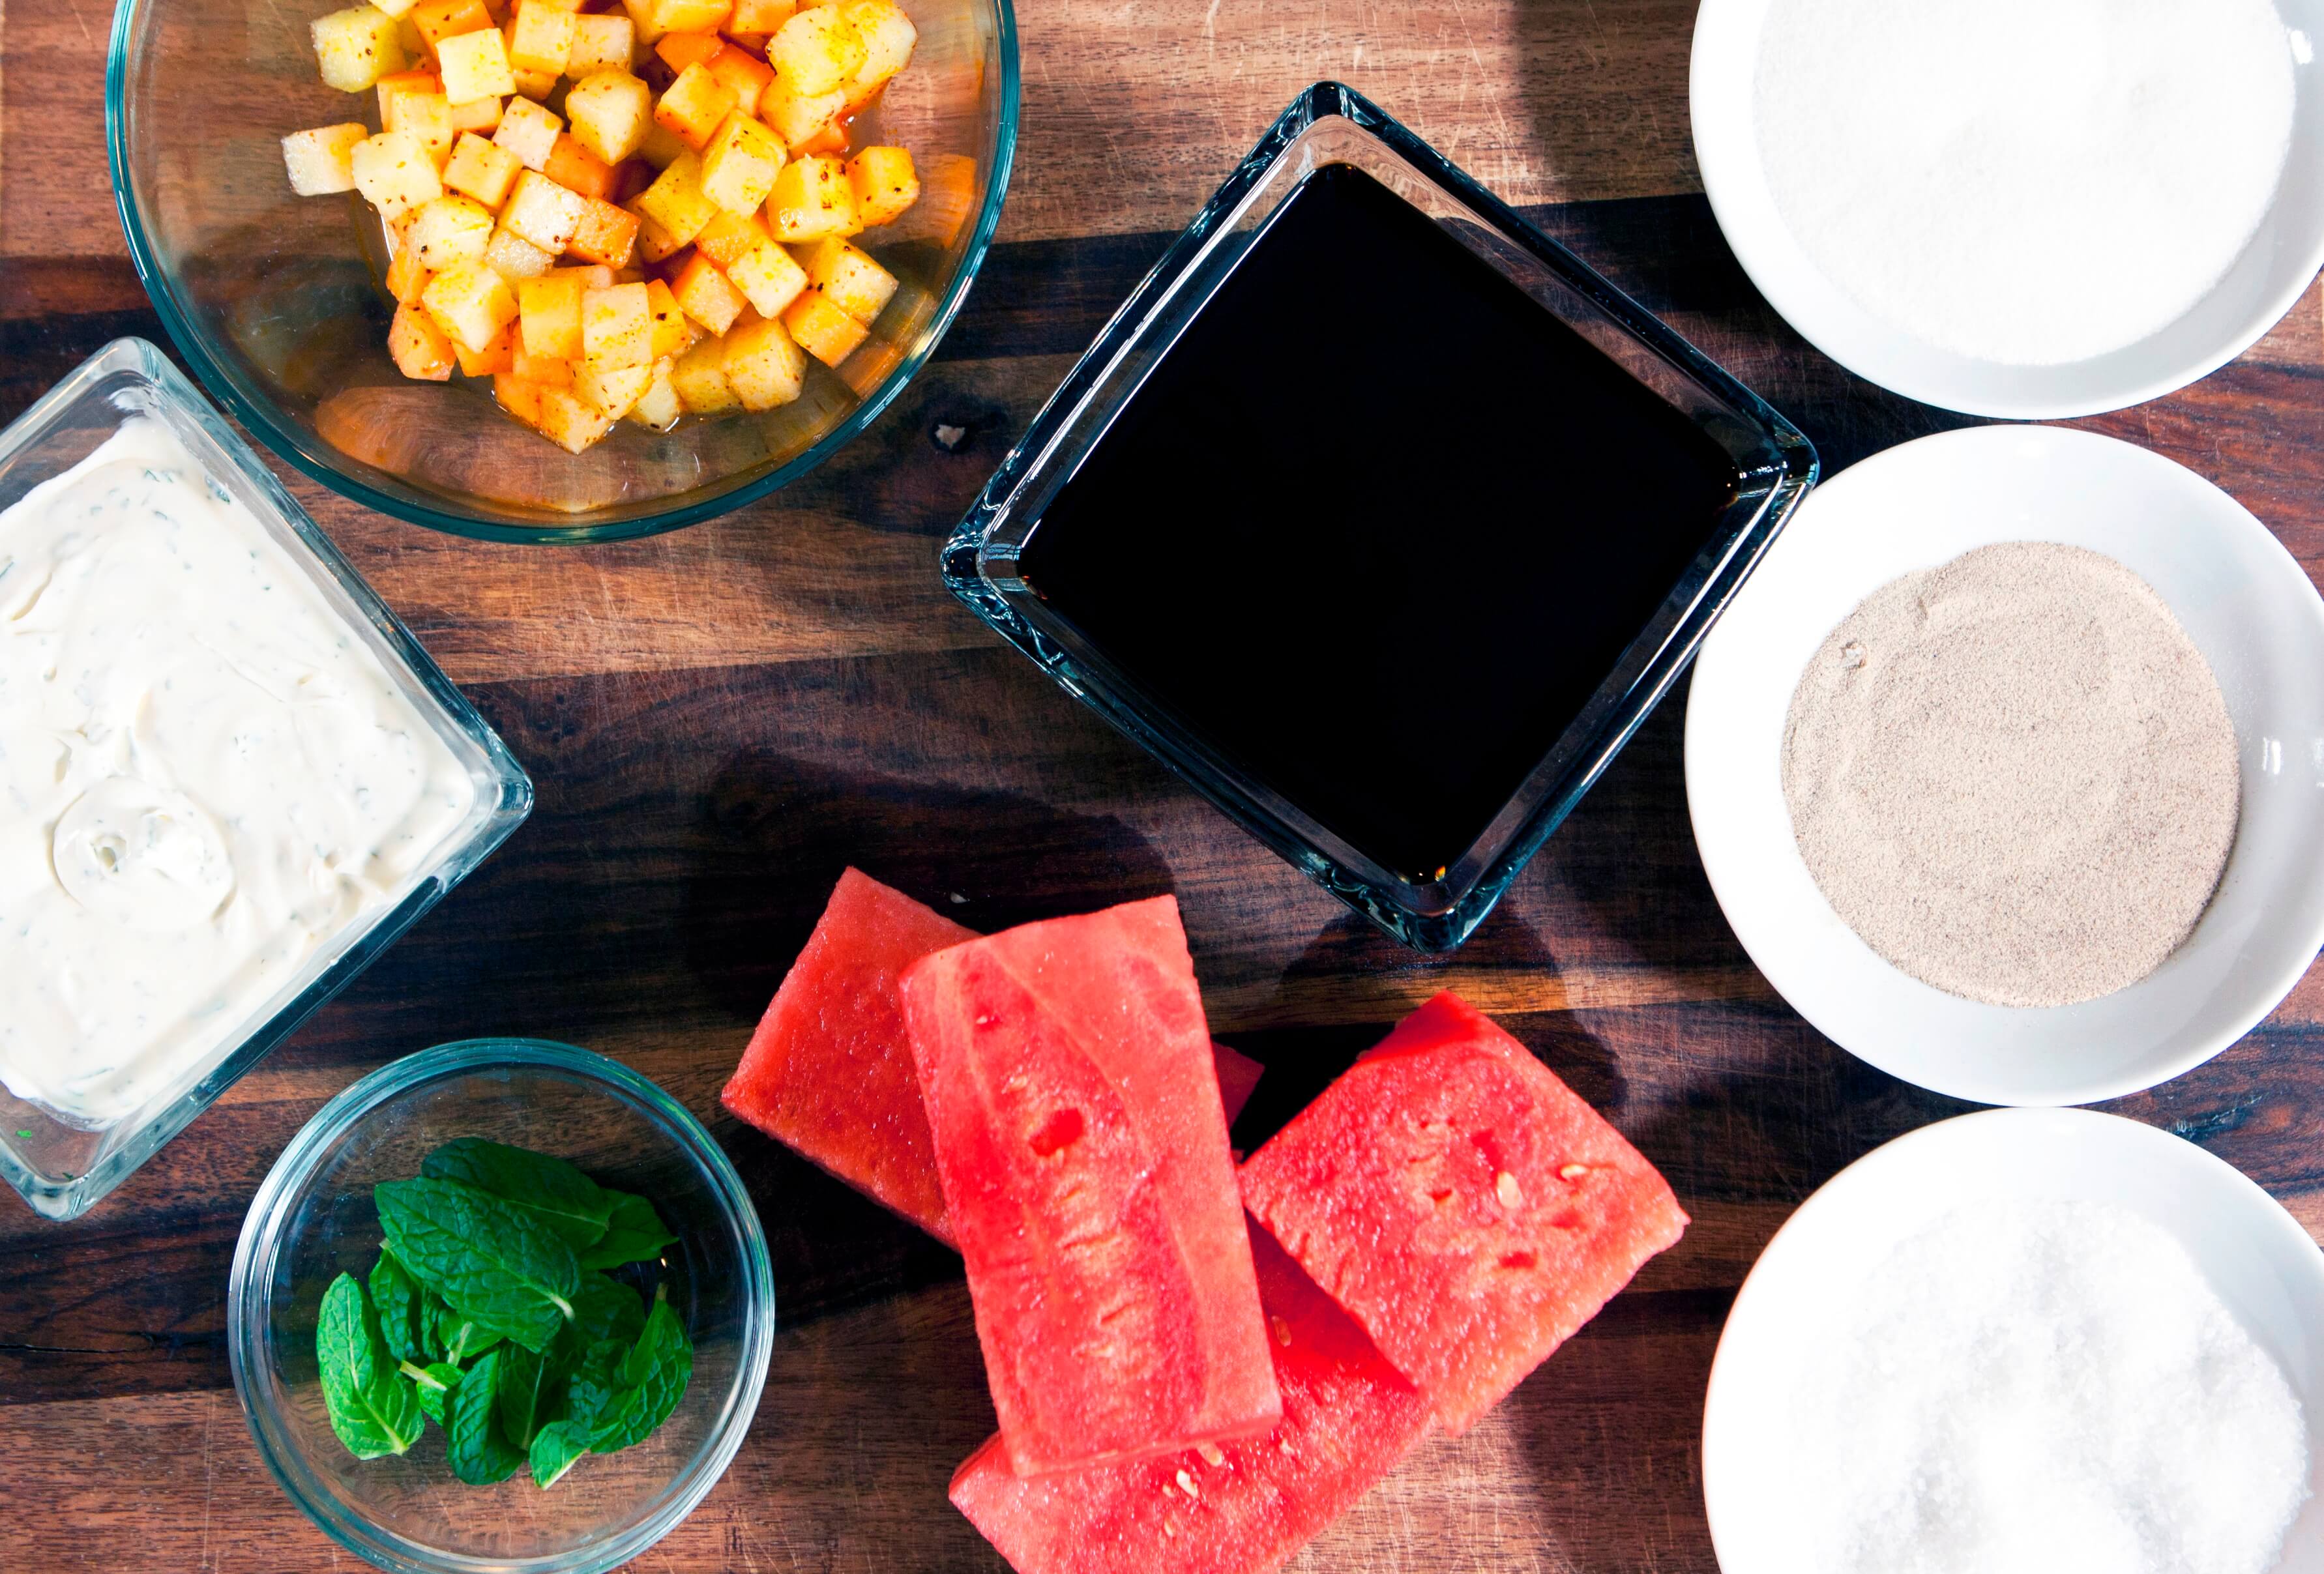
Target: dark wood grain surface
719,720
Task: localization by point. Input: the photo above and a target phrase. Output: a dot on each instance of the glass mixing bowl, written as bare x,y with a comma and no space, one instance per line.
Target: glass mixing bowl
313,1218
276,299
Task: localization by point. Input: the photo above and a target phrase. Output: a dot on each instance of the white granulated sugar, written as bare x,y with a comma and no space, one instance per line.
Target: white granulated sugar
2027,181
2041,1387
2014,776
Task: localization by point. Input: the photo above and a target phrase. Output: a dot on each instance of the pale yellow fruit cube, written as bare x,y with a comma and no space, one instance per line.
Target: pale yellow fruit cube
887,36
654,243
769,277
395,173
514,257
707,295
740,165
695,105
529,132
673,332
658,407
482,170
641,13
676,201
817,50
885,184
475,65
537,85
763,364
617,326
357,47
571,421
612,389
602,43
481,116
730,234
471,303
426,116
812,199
321,161
663,147
691,15
540,39
796,117
448,230
699,377
610,111
846,276
759,18
823,330
419,347
541,211
550,314
398,9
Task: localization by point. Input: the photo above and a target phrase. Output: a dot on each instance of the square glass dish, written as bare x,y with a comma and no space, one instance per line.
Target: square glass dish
1566,527
61,1162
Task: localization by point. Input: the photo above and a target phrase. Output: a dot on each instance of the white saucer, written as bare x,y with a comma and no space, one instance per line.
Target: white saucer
2258,1259
2243,600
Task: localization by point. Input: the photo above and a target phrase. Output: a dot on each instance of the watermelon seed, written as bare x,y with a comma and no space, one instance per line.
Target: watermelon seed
1213,1455
1282,1331
1186,1485
1505,1187
1573,1172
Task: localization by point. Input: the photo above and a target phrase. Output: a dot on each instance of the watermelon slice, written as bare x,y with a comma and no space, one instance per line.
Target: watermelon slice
829,1072
1234,1508
1461,1204
1075,1104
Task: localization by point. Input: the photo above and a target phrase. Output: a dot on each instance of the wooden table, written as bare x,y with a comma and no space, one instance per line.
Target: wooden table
718,720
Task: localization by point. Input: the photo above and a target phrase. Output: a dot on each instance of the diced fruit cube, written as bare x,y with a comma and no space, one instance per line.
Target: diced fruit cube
406,279
470,302
663,147
823,330
707,295
847,277
419,347
658,407
357,47
673,331
763,366
439,20
395,173
608,235
745,76
482,170
545,369
689,15
799,118
418,80
537,85
540,39
570,421
448,230
396,8
549,315
816,50
492,360
594,275
887,36
617,326
514,257
679,50
700,377
812,199
612,389
693,105
600,43
520,398
675,200
425,115
740,165
769,277
482,115
321,161
572,166
541,211
529,132
759,18
475,65
610,112
885,184
730,236
655,243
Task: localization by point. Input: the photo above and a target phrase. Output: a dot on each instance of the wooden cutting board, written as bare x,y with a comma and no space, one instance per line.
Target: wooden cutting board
718,720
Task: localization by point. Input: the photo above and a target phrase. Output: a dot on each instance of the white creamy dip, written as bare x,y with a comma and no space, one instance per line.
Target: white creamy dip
204,775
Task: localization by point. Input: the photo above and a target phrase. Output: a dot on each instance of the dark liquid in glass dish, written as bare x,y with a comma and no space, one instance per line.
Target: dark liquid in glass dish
1430,520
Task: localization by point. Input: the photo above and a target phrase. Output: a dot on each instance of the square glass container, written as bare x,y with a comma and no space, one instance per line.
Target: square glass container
62,1167
1774,466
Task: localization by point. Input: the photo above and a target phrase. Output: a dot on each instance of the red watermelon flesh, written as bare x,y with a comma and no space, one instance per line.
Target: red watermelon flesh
829,1072
1461,1204
1075,1105
1240,1507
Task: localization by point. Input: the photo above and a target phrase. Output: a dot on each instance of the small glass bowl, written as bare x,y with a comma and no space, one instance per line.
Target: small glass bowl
283,315
61,1167
313,1219
1773,465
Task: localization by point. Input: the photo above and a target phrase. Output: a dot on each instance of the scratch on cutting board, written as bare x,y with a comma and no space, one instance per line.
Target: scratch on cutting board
209,1481
1211,26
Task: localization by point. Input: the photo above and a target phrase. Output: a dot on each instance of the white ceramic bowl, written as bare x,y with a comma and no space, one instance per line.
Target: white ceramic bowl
2242,598
2258,1259
2272,274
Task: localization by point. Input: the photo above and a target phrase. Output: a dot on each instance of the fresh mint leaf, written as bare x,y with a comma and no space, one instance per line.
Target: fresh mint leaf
624,1400
373,1408
528,1390
500,1266
554,1448
553,1192
395,1295
633,1234
479,1455
602,1309
458,1337
435,1383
